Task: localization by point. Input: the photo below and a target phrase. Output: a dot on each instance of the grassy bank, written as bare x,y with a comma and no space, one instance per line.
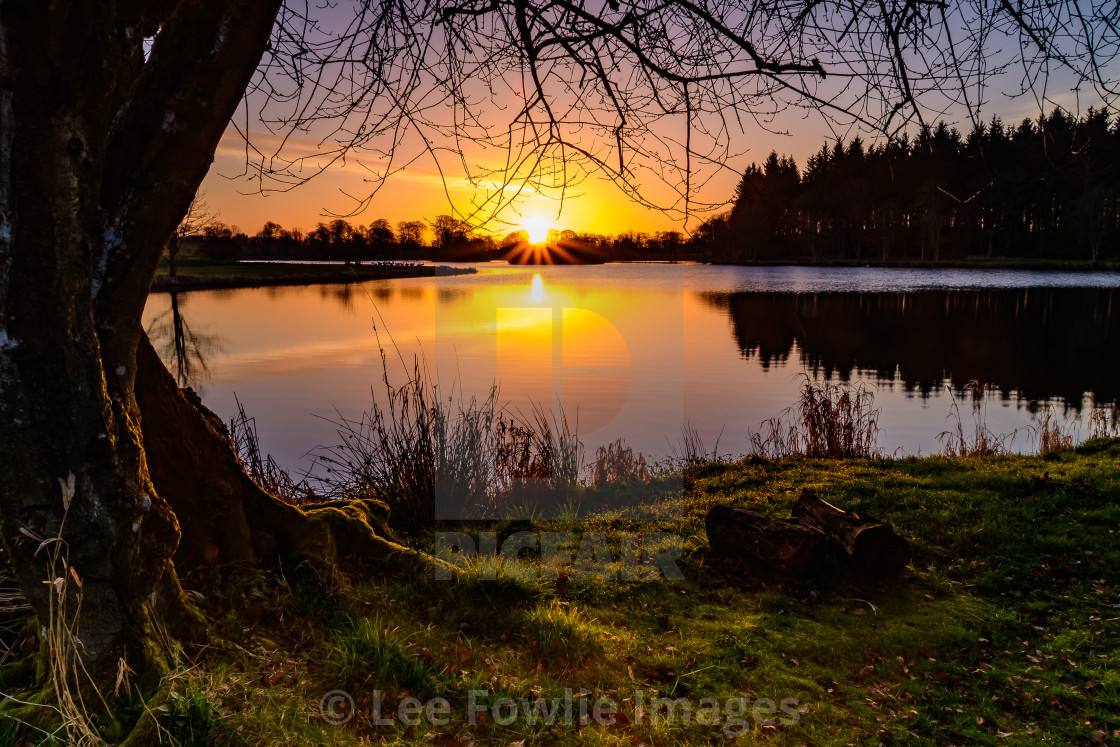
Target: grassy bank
194,274
1004,630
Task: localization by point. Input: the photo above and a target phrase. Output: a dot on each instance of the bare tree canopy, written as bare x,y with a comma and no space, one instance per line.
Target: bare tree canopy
520,97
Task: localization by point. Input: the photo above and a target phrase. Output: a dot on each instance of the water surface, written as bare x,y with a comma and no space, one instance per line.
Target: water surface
637,350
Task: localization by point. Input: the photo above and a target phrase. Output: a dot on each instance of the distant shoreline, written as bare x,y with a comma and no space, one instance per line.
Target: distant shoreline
195,275
1055,265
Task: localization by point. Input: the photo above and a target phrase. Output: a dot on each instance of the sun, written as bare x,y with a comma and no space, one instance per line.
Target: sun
537,228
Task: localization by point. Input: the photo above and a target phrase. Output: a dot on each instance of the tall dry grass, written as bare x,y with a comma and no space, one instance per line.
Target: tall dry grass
417,447
69,681
835,421
1051,434
693,450
262,467
1100,424
15,613
977,440
616,462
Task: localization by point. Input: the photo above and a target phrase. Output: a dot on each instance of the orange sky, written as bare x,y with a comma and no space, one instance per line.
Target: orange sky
418,192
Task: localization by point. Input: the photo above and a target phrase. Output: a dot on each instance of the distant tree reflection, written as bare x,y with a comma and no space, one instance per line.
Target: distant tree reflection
1030,343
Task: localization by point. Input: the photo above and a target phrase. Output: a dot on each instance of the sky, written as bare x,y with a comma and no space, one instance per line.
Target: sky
433,183
418,192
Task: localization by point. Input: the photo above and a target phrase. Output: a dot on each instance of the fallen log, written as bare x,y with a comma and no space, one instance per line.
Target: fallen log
872,547
785,545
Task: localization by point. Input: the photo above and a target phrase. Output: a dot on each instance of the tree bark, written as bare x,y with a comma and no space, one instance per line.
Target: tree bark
101,455
226,517
784,545
873,548
101,151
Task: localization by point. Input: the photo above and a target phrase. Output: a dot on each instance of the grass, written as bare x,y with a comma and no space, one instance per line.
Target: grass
364,650
1004,630
74,707
562,631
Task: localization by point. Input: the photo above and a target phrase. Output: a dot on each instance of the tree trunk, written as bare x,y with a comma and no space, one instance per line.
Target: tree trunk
874,549
784,545
226,517
101,150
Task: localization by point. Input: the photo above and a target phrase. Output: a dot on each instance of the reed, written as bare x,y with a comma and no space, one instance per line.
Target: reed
262,467
615,463
979,441
693,450
1102,425
416,446
835,421
1051,435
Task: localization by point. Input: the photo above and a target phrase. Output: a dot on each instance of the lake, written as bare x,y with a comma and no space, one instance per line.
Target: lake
637,350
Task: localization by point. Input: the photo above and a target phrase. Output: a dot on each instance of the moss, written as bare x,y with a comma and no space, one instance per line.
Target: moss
357,528
19,673
182,619
147,730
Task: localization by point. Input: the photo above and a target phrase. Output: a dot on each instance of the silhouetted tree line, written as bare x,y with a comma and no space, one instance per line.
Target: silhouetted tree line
444,239
1045,189
337,240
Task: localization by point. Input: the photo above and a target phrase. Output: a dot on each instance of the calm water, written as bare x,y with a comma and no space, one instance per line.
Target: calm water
635,351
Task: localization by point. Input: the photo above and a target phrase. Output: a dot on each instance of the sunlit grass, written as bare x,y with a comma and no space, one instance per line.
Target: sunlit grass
1001,632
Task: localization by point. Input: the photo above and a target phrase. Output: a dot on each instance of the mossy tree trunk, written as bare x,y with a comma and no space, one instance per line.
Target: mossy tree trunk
225,517
101,151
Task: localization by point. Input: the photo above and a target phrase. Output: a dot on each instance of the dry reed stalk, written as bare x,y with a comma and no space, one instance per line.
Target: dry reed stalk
1051,437
982,441
616,462
263,468
415,445
836,421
